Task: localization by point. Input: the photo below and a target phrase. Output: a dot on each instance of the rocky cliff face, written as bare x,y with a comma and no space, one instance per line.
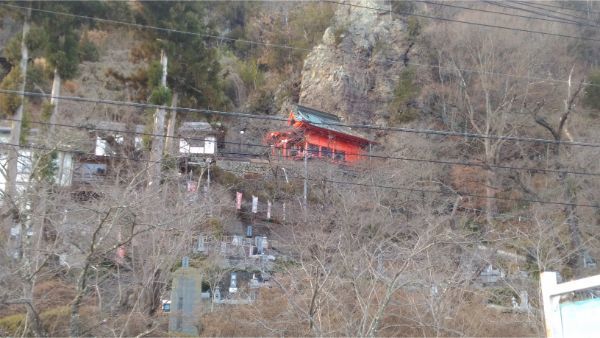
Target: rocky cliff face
354,71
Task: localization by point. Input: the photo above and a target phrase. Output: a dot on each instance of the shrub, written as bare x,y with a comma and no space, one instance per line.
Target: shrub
12,325
71,86
47,108
25,127
36,77
339,33
54,320
305,28
169,163
225,178
502,296
263,102
216,226
12,51
591,97
46,166
65,56
413,27
403,7
153,74
161,96
88,51
250,74
10,102
401,106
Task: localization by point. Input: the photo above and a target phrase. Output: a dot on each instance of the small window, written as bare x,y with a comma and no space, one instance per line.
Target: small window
340,155
325,152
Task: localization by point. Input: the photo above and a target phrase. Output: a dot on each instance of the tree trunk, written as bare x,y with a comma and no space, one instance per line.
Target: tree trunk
156,153
74,323
570,211
172,144
491,208
75,320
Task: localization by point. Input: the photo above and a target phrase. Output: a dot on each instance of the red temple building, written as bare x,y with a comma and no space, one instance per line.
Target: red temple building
319,132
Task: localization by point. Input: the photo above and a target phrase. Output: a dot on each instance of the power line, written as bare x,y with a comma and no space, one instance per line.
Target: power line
522,3
278,118
461,194
267,147
498,216
470,22
436,191
220,37
111,156
544,4
533,11
546,79
345,182
162,29
506,14
537,78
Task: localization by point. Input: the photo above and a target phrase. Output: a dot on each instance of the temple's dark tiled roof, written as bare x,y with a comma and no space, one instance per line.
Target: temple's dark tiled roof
323,120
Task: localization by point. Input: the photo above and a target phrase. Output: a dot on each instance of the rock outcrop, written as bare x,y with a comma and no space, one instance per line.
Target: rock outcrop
355,69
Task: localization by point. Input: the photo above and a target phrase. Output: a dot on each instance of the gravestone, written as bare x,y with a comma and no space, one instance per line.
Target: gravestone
186,301
201,246
233,283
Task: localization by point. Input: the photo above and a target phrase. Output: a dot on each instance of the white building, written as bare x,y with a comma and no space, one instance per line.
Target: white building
197,138
27,161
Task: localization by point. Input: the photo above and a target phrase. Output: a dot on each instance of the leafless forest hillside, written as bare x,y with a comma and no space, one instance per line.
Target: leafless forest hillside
143,194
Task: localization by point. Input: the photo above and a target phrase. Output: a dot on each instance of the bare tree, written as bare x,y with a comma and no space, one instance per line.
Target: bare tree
570,189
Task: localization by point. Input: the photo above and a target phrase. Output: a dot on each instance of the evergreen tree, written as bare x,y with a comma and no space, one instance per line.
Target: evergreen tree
57,39
592,91
193,66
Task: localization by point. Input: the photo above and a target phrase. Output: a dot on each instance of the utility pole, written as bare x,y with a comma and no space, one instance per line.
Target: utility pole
15,133
305,174
156,153
208,163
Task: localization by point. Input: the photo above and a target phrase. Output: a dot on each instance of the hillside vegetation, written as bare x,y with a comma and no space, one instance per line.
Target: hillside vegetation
484,118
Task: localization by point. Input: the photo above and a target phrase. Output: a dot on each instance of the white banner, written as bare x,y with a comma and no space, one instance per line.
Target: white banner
254,204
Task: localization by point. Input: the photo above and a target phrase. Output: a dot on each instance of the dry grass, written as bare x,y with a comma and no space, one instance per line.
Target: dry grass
97,37
71,86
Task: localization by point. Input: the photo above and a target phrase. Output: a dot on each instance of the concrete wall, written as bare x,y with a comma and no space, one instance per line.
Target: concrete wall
239,167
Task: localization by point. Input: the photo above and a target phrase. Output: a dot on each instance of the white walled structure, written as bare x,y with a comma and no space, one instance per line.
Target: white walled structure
569,319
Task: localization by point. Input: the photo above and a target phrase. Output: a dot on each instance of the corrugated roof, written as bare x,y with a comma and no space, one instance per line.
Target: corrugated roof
196,126
323,120
114,127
